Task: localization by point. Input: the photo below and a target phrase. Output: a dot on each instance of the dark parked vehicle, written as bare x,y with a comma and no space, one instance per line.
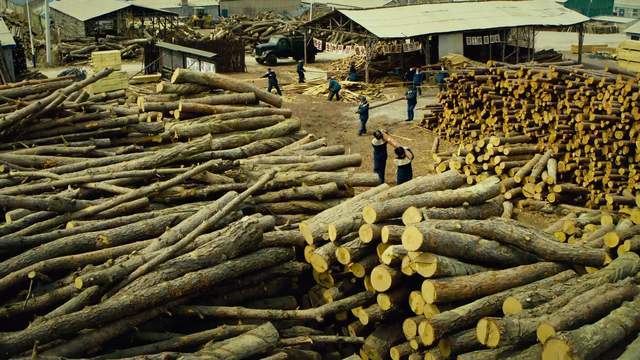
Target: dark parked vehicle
282,47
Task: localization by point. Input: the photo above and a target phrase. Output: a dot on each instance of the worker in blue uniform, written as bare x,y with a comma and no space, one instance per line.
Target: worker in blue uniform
300,70
379,154
412,100
334,89
418,79
273,81
363,111
403,160
353,73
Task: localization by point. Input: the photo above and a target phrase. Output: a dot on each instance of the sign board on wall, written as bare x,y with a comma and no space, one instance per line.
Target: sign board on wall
482,40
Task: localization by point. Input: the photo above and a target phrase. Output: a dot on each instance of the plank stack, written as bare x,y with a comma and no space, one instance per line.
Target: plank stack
137,226
446,263
588,118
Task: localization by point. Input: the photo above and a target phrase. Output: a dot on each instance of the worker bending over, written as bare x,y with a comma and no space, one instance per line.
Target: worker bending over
363,110
379,154
334,89
273,81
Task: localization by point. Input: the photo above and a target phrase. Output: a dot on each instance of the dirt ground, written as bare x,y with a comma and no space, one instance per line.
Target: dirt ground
338,122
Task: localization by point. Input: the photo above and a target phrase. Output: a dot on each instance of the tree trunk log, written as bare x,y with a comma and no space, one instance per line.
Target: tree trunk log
487,210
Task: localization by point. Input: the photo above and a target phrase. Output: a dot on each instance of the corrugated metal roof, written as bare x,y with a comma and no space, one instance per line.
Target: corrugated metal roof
172,4
186,50
6,37
614,19
416,20
84,10
627,3
351,4
633,29
88,9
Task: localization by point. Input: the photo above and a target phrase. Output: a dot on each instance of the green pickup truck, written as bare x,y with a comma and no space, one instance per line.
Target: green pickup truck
282,47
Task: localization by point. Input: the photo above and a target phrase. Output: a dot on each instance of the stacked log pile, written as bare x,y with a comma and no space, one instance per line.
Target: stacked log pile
254,30
129,232
446,263
588,118
80,49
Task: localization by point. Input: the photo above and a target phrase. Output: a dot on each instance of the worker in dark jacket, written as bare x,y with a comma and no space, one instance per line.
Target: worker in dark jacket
418,79
334,89
408,76
412,101
273,81
363,110
404,171
379,154
353,73
300,70
441,77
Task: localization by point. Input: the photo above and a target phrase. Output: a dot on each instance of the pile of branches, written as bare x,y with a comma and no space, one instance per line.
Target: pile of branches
587,118
122,222
455,277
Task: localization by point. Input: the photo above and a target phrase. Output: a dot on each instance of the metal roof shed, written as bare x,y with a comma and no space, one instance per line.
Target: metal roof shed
7,48
446,20
173,56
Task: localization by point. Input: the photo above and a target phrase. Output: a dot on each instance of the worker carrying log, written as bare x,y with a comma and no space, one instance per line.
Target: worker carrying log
412,100
403,160
363,111
353,73
273,81
334,89
379,154
300,70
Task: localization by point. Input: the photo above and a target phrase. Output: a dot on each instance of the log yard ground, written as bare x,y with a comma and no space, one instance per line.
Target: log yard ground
187,214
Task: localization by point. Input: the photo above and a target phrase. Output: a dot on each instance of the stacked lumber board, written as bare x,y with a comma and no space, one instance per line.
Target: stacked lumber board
587,118
128,232
629,55
455,278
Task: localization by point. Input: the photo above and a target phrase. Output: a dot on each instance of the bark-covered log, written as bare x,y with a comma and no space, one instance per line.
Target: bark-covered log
528,239
487,210
377,345
471,195
257,341
632,351
180,89
459,343
316,192
431,265
466,316
223,82
317,313
125,305
591,341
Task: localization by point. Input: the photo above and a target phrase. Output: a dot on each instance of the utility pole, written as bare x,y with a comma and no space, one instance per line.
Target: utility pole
33,51
47,32
311,11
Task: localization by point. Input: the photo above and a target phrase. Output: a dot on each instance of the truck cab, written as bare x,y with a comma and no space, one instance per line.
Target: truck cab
282,47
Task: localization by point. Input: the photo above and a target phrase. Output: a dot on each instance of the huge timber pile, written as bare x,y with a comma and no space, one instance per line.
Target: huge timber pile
254,30
587,118
455,277
124,223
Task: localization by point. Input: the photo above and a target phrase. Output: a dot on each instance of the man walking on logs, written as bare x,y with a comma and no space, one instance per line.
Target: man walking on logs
412,101
334,89
273,81
363,110
300,70
379,154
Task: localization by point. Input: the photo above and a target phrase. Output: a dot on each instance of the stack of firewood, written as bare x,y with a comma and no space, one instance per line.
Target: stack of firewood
446,263
122,222
588,118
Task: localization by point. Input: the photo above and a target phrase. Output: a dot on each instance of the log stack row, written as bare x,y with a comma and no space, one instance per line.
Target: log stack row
447,265
129,232
588,118
254,30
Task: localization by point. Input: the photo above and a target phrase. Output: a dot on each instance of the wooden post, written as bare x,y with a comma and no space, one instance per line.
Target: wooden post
505,37
367,57
518,45
580,42
427,50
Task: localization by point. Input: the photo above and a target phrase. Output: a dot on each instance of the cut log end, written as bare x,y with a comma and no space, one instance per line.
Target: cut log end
333,232
544,332
410,328
556,349
416,302
411,216
305,230
343,256
369,215
412,238
428,335
511,306
308,251
319,263
611,239
488,333
381,278
429,292
357,270
384,301
365,232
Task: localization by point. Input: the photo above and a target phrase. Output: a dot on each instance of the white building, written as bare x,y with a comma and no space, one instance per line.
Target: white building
627,8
